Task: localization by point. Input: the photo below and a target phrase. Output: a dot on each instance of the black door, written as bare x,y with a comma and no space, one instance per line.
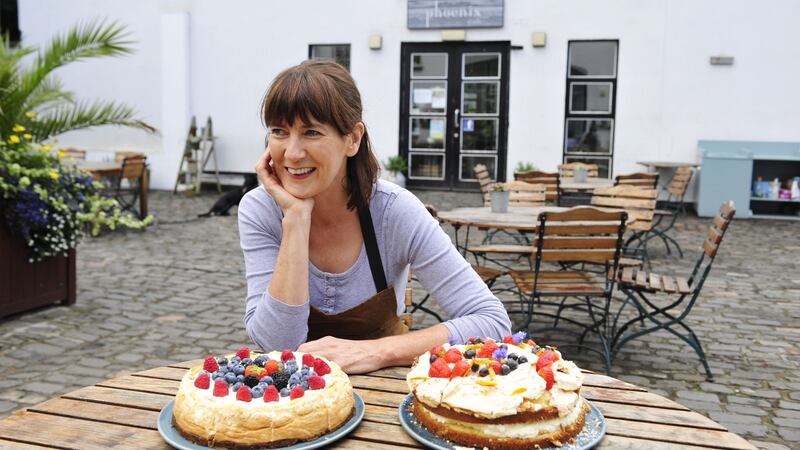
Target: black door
453,112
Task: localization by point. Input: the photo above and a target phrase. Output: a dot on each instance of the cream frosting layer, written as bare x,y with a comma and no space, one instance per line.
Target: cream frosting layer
200,413
521,390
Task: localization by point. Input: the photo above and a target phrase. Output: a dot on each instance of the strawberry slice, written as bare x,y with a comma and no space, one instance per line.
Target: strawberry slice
459,369
546,359
508,340
547,373
438,350
439,369
488,348
453,355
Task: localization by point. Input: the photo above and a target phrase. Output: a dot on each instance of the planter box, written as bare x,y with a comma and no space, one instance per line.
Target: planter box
25,285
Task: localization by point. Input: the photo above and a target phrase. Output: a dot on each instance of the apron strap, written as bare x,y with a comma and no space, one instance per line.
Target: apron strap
371,244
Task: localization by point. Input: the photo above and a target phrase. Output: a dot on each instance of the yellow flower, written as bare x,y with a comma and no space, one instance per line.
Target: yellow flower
30,115
13,139
27,136
18,128
54,175
60,154
46,148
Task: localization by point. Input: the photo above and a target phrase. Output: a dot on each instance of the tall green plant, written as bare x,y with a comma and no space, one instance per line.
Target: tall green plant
28,87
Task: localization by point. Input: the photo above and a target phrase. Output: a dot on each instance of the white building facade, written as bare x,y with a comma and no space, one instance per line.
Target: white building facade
610,82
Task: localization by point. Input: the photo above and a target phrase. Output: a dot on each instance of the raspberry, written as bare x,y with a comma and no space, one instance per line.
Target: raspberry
547,358
459,369
244,394
547,373
271,394
210,364
321,367
497,367
287,355
439,369
243,353
203,381
296,392
508,340
453,355
220,388
488,348
308,360
316,382
271,366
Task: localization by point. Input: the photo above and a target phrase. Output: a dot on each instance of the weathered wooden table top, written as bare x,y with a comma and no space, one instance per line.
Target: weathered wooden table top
591,183
122,413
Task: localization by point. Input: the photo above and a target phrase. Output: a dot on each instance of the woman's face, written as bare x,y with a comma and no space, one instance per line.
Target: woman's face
311,158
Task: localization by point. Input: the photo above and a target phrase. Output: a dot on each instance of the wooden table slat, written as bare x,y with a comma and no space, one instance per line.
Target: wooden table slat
629,398
47,429
356,444
99,412
4,444
134,383
680,435
610,442
656,415
121,397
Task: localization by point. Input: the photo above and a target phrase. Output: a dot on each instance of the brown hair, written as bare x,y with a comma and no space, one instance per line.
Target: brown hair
325,91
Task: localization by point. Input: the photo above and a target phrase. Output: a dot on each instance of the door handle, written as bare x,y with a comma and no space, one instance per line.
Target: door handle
456,121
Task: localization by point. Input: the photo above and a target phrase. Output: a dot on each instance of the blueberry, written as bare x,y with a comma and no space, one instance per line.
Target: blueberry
251,381
522,360
305,369
503,346
240,377
469,354
290,366
237,386
475,367
236,360
216,375
305,384
512,356
484,371
512,364
478,341
285,392
260,360
246,362
536,349
257,392
222,361
266,380
505,369
433,358
238,370
230,378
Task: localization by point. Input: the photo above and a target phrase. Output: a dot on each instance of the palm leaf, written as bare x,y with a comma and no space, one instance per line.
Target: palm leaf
81,115
49,94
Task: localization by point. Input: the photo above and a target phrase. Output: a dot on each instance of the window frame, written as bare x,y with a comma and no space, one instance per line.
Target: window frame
311,53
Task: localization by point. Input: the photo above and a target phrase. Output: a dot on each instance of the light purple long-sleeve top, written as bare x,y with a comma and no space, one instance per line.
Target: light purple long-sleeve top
407,235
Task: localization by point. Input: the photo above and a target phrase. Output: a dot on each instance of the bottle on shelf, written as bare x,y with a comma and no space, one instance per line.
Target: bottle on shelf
775,188
796,188
757,188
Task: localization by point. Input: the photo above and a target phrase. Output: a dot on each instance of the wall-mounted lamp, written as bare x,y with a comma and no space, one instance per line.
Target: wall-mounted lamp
539,39
454,35
721,60
375,42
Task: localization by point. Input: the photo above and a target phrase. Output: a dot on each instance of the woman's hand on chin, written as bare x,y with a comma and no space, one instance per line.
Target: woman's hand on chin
352,356
287,202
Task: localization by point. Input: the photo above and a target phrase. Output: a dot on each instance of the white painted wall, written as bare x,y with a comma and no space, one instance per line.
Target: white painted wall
669,96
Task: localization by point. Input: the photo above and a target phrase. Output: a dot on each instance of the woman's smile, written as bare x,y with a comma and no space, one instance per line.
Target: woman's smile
300,173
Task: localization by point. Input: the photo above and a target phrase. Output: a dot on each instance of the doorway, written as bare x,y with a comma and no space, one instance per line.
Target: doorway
453,112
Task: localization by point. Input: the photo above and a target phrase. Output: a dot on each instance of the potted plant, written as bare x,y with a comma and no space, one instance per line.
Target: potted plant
397,166
523,167
579,172
499,198
45,207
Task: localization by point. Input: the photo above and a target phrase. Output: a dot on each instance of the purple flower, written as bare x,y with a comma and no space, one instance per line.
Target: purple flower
452,340
519,336
500,353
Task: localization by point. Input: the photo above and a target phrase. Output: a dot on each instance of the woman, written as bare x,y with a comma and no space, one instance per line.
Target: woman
327,246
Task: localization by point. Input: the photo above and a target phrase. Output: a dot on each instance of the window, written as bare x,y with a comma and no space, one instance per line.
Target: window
9,22
337,52
590,104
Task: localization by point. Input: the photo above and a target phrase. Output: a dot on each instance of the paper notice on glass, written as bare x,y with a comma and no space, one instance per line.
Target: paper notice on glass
422,96
439,100
437,130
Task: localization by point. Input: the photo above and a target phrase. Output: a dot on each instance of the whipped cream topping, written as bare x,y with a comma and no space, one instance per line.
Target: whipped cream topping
521,389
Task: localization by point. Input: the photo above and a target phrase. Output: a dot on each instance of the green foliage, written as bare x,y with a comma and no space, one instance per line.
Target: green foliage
33,87
395,164
499,187
524,166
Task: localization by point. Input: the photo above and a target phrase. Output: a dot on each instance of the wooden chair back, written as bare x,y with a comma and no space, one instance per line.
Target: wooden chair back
581,234
550,180
639,203
133,167
568,170
73,153
680,181
485,181
638,179
522,193
121,155
717,229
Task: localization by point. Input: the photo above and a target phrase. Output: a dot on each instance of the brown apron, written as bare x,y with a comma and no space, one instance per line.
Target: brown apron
374,318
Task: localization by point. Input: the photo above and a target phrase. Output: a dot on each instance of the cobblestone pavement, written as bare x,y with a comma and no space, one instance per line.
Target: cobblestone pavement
175,292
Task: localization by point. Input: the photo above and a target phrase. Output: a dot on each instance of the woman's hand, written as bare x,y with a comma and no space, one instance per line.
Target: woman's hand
273,186
352,356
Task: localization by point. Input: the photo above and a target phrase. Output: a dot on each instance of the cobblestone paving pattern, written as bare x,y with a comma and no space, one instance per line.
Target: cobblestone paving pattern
176,291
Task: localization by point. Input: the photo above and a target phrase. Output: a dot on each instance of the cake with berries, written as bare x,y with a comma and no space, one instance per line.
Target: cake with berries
262,400
512,394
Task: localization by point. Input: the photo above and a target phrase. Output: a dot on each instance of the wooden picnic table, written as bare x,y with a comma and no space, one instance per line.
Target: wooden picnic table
123,412
100,169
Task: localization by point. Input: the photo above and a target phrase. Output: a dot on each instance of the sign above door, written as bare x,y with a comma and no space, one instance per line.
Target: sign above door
435,14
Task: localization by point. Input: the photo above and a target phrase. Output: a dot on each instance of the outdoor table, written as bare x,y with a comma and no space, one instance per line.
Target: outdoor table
123,412
100,169
666,164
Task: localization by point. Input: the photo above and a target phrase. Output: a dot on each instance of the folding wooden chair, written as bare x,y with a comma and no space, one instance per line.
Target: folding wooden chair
578,235
550,180
486,183
127,185
641,289
523,193
73,153
638,179
673,207
640,204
